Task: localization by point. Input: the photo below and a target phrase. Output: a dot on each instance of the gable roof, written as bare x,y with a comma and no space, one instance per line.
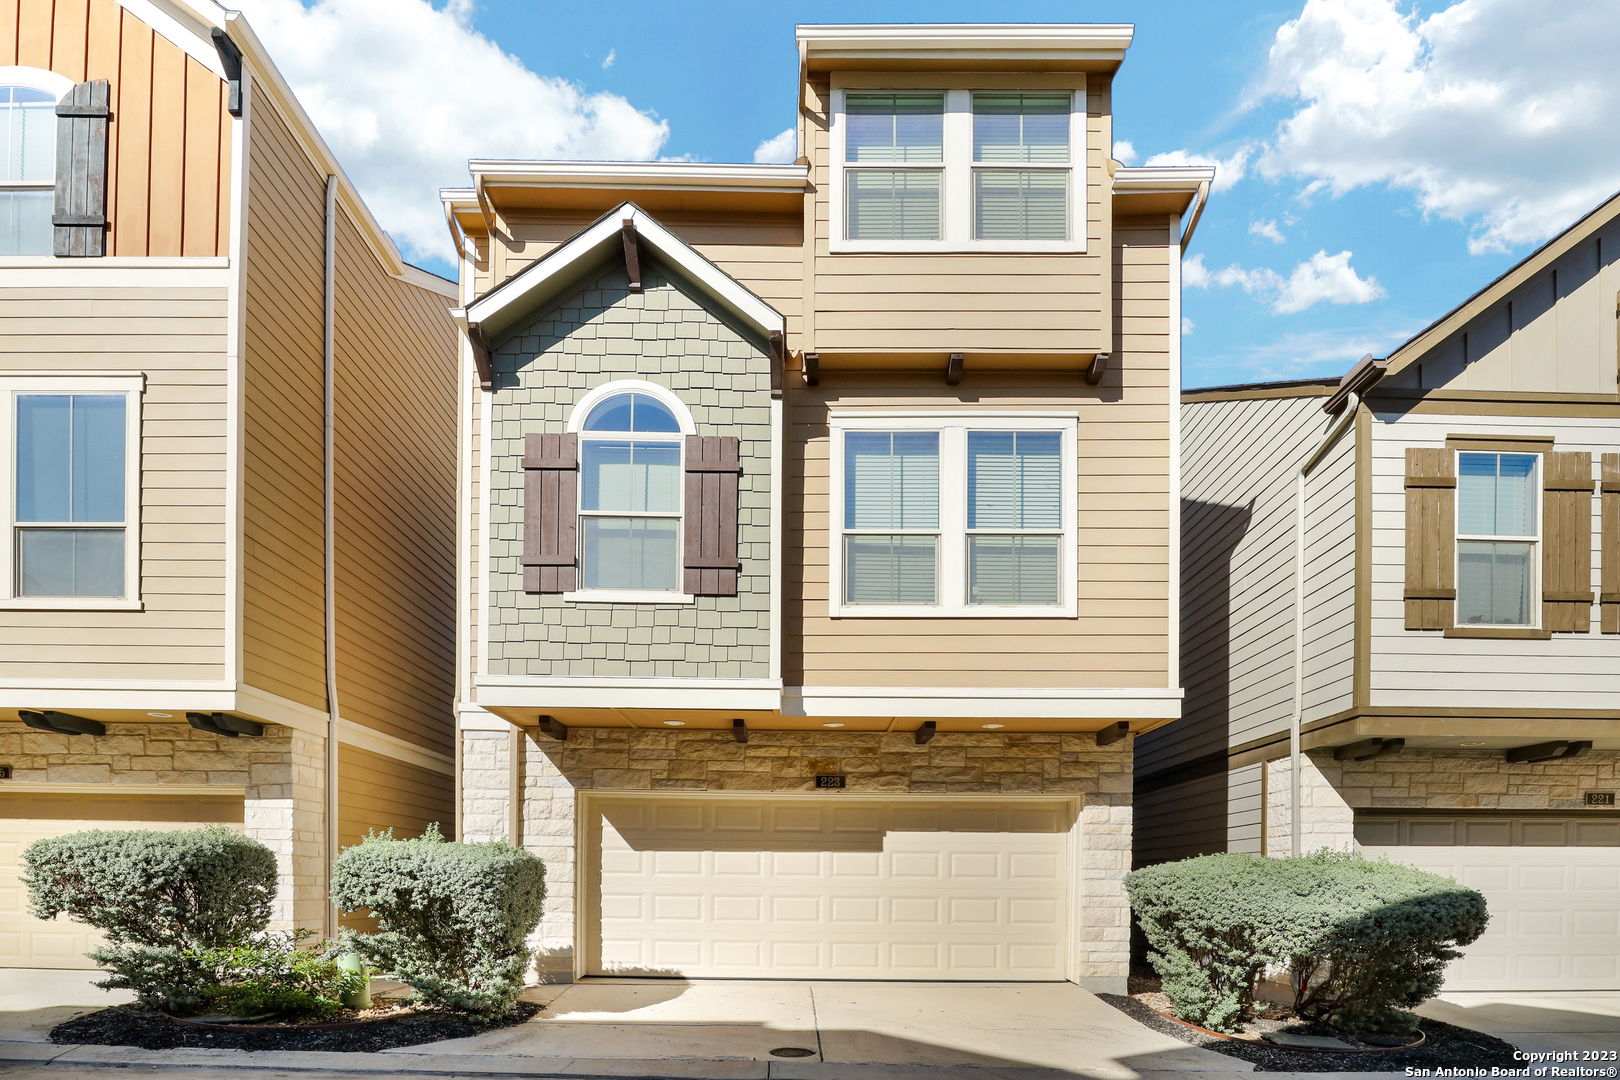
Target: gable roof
566,265
1537,261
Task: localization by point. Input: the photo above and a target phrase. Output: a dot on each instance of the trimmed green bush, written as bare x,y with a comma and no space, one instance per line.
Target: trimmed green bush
158,897
453,919
1358,939
277,973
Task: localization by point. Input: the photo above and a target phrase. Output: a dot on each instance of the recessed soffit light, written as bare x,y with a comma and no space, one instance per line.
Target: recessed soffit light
162,715
994,727
832,725
674,723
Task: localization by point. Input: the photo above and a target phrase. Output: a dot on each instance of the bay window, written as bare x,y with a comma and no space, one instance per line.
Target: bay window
953,516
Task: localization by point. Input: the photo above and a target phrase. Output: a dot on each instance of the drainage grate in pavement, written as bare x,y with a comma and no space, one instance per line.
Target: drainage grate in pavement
792,1051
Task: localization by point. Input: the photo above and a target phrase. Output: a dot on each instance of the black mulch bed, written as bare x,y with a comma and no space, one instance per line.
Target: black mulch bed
1445,1045
136,1025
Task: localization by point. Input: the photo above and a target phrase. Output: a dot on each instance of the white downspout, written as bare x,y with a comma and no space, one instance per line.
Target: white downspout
328,352
1346,418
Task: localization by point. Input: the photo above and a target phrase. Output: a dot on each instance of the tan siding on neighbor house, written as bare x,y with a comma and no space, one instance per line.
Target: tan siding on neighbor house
282,586
168,152
177,338
395,505
378,793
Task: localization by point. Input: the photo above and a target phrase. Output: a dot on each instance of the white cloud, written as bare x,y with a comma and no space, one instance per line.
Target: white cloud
780,149
1228,171
1488,111
1320,278
1124,152
387,84
607,61
1186,326
1266,229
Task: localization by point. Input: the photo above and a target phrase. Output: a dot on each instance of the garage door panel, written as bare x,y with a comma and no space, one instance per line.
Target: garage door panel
825,889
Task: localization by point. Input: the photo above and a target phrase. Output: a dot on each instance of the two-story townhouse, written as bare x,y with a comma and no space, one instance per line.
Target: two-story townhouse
227,443
1401,600
819,523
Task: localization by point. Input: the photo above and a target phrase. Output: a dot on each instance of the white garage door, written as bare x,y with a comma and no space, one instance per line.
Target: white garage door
61,943
1555,907
828,887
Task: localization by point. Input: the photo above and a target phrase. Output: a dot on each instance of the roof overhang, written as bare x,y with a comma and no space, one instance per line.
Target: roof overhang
1163,189
965,46
513,187
573,261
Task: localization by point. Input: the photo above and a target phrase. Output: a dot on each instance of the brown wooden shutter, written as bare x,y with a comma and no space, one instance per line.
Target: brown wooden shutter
550,513
79,214
1610,551
712,472
1566,542
1431,538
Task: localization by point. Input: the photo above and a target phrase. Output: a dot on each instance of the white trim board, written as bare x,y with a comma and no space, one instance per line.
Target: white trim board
534,692
992,701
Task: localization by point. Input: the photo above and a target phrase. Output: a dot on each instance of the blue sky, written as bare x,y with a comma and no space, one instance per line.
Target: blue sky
1379,161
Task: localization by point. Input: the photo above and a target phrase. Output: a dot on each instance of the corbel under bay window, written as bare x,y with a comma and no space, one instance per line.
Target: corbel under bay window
70,450
952,516
958,170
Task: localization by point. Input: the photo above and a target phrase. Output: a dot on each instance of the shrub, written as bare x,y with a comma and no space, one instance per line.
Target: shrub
1359,939
453,919
157,896
276,974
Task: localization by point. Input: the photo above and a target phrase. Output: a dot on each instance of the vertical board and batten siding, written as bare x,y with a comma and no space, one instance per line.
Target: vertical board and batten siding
1425,669
1239,463
395,523
1121,638
1553,334
283,588
952,302
169,146
176,336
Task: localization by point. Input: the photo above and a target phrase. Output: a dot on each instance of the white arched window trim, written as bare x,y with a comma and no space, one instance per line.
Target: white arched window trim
36,79
664,395
683,418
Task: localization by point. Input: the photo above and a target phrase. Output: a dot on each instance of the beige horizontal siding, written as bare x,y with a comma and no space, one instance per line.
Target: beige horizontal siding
176,337
376,793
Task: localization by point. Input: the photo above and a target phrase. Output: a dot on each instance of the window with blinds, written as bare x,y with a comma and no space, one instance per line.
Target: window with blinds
71,479
891,517
894,153
630,495
1012,201
1497,539
1014,516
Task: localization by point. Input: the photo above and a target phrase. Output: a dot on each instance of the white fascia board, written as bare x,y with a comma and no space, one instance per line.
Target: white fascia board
1165,178
536,692
665,175
535,284
1063,703
1035,40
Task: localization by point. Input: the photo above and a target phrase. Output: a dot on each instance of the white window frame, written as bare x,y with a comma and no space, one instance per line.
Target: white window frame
132,386
46,82
953,428
1459,537
576,425
957,169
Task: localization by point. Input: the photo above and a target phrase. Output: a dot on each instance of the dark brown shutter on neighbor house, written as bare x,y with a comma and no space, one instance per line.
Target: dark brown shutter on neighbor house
1609,553
79,215
1431,538
550,512
1566,542
712,472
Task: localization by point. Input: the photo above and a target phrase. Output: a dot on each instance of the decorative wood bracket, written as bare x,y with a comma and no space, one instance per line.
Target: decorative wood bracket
62,723
1367,749
632,253
1097,369
953,369
812,369
482,356
1113,733
224,724
1547,751
778,362
550,725
925,733
739,730
230,57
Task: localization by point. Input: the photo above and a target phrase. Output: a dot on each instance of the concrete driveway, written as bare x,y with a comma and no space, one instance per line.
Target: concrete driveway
1546,1021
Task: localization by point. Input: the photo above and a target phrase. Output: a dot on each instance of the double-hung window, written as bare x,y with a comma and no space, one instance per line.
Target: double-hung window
952,516
1498,539
630,496
71,455
958,170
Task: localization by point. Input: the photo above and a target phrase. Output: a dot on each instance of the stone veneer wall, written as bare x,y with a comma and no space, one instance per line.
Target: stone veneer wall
601,334
623,760
1331,791
283,773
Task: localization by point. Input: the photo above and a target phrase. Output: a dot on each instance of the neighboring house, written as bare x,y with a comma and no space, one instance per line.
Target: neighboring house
819,531
1456,687
172,649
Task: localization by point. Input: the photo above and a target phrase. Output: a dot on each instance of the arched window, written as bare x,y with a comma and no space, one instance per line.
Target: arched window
27,168
630,489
